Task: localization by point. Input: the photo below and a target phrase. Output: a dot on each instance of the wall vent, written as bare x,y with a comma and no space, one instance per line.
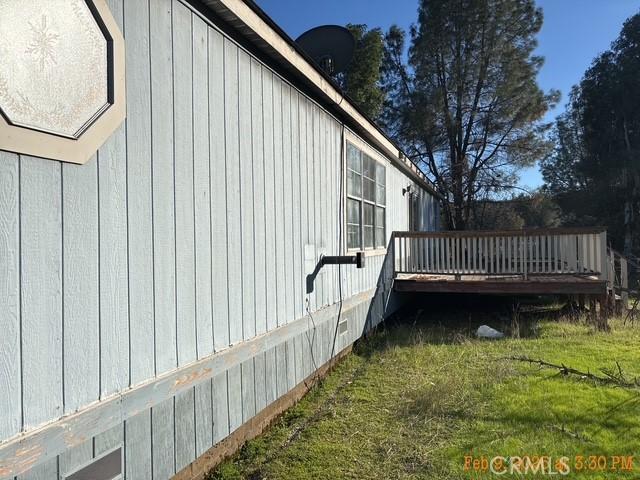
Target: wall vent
343,326
106,467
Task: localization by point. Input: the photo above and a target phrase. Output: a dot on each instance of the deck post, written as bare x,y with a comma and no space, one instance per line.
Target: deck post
393,253
604,312
593,315
624,284
525,262
581,303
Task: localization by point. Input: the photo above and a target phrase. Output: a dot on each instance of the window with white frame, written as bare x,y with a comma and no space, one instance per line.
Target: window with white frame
366,201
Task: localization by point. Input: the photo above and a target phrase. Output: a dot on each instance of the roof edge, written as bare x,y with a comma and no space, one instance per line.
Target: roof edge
284,49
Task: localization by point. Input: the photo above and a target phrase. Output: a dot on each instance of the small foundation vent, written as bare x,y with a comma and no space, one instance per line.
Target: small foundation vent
343,326
106,467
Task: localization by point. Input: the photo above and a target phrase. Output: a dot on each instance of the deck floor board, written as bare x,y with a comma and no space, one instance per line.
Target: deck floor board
501,284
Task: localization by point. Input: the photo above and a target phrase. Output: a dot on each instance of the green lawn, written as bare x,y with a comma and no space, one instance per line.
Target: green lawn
417,397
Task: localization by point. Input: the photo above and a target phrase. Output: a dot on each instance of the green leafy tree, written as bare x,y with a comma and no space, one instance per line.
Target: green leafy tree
594,171
527,210
466,105
538,210
361,80
561,170
495,215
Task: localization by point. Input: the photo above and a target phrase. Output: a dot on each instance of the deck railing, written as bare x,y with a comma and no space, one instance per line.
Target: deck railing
618,275
559,251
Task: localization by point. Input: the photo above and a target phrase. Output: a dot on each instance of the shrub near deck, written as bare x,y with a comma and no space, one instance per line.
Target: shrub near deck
414,400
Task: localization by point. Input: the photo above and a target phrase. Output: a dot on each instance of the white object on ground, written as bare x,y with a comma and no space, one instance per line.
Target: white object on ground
485,331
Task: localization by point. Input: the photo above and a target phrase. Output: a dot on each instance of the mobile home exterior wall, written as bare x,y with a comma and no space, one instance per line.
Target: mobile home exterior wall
155,298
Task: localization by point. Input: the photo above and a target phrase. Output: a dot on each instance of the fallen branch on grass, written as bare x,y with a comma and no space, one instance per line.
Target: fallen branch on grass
610,377
562,429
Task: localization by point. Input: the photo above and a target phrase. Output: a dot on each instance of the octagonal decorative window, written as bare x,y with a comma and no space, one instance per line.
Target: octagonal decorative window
61,77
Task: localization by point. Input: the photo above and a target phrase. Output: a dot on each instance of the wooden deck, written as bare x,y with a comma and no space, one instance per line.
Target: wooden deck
569,261
501,284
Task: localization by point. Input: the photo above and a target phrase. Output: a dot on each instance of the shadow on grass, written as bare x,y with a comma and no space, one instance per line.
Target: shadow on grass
454,319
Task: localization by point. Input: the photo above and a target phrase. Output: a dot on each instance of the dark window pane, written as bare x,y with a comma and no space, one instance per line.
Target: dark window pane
354,161
353,236
380,227
381,195
353,211
354,184
380,174
368,237
381,241
369,192
369,166
379,217
368,214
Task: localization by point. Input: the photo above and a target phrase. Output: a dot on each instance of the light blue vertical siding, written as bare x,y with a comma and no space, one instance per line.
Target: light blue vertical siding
202,191
220,398
183,146
163,439
269,198
259,208
114,267
164,245
185,437
279,293
218,190
81,287
10,288
137,447
41,290
192,229
246,201
204,417
233,200
139,193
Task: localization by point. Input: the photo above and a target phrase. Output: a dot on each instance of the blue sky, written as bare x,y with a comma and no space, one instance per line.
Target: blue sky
574,32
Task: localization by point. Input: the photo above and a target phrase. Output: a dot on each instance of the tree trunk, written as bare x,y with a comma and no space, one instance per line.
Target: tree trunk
628,226
447,214
630,219
458,193
632,194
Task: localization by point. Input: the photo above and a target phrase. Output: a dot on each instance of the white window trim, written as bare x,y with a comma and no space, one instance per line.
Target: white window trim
350,137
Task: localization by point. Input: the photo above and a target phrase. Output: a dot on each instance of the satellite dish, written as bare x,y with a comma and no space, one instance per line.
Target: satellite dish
330,46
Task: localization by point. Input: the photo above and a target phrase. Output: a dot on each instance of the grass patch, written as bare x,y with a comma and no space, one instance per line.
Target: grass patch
418,396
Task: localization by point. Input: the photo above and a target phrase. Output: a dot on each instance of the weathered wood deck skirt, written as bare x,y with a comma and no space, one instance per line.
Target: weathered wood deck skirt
501,284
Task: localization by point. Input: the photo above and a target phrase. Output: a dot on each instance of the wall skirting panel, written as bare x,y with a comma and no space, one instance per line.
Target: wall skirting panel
198,469
276,361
